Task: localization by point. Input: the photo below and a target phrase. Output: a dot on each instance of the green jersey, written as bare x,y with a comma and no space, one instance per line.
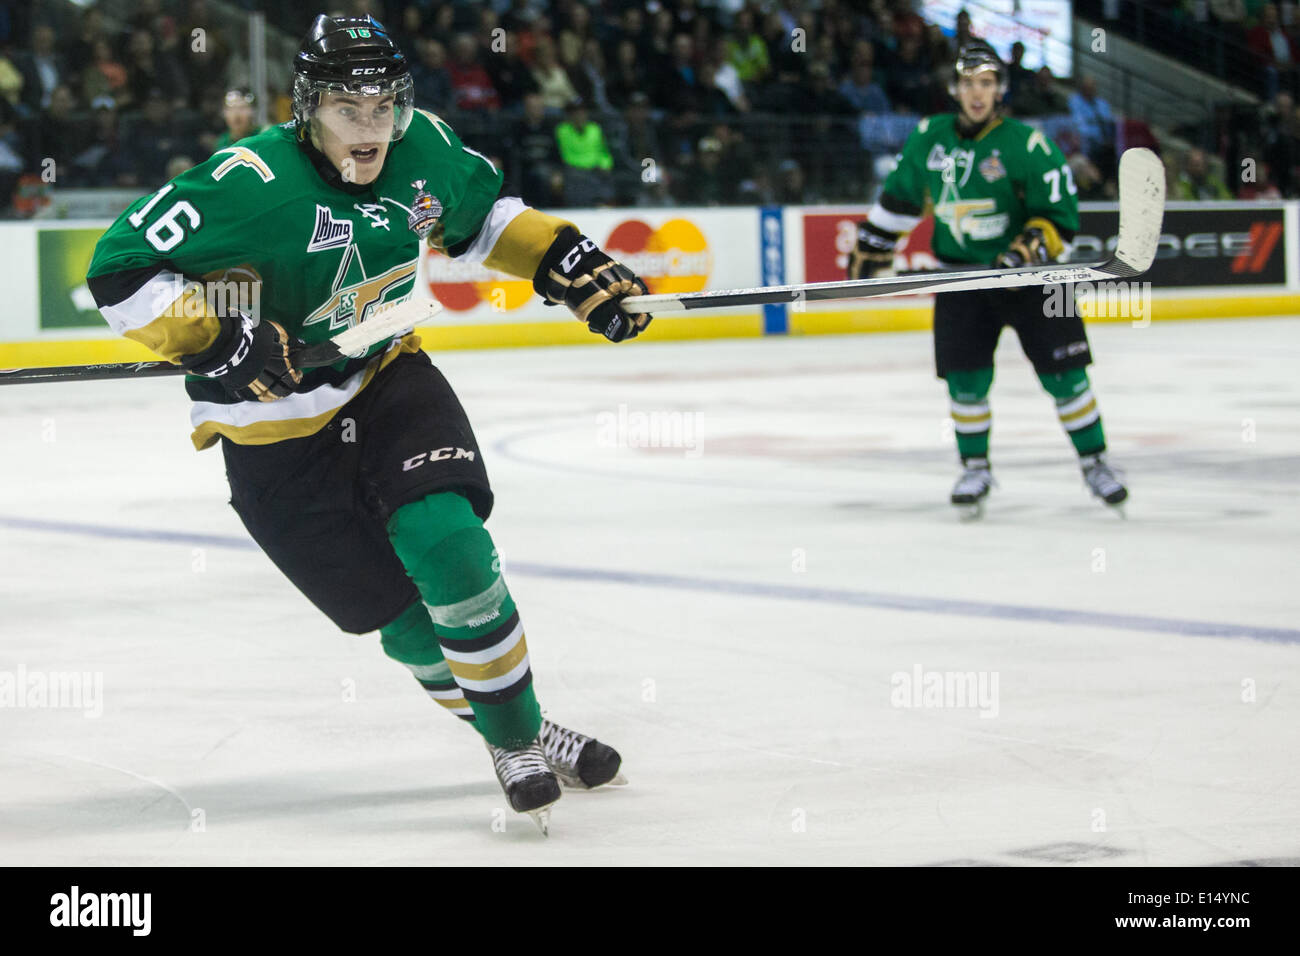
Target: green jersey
293,244
983,190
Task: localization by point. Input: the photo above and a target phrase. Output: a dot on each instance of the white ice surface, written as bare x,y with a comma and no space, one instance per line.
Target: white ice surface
755,728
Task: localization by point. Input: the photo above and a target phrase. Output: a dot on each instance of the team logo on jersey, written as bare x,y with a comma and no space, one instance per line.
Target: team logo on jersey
354,294
969,217
330,233
992,169
425,210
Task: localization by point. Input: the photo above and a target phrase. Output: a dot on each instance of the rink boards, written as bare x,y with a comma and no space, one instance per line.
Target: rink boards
1216,260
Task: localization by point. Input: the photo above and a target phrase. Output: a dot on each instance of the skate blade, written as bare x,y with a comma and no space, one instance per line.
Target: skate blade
542,817
970,512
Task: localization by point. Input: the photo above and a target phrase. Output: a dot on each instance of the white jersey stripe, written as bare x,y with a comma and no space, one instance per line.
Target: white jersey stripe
318,401
891,221
503,212
1076,403
151,300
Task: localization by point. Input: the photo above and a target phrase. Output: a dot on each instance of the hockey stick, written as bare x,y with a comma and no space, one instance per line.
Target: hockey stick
384,323
1141,213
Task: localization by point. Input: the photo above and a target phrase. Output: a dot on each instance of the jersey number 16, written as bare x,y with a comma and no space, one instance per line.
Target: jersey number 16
168,231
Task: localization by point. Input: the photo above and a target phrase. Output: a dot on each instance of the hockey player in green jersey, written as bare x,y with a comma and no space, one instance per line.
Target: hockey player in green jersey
1002,195
362,481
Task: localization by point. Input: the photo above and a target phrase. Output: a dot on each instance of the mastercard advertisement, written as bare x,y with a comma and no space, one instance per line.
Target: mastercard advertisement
673,250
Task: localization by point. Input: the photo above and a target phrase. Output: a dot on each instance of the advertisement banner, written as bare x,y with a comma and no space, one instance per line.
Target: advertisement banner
1199,247
63,256
1236,245
677,250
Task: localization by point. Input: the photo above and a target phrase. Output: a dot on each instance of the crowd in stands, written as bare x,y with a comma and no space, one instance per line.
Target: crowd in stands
582,102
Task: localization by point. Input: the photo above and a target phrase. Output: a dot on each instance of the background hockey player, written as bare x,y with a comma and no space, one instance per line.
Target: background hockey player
362,481
1003,195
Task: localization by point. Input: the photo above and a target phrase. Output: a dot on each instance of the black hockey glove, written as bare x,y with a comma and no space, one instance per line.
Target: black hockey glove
873,256
574,272
1038,245
253,362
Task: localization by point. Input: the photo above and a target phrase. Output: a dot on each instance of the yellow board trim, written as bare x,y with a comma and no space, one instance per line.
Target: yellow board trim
666,328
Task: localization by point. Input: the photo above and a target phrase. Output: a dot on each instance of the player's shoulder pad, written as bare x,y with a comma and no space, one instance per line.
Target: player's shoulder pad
429,128
1034,139
253,159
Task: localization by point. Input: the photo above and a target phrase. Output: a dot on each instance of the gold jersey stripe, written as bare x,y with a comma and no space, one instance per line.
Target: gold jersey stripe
519,250
207,433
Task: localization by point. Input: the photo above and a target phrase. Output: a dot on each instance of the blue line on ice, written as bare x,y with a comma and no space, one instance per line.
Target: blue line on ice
867,599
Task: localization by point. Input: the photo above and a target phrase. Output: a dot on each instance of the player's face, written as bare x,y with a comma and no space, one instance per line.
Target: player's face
354,133
978,95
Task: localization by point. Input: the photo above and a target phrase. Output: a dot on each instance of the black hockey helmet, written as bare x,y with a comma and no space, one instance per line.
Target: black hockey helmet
975,56
354,56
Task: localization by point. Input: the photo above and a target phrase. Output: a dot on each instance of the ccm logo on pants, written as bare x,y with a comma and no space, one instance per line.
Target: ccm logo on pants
438,454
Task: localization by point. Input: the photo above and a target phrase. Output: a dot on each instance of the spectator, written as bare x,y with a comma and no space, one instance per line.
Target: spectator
91,30
726,77
642,145
627,77
510,76
157,137
588,166
11,80
909,75
550,77
1091,118
1039,98
1274,51
104,76
1280,136
581,141
708,184
1231,15
204,53
861,90
105,162
790,184
60,134
471,87
1018,75
147,70
1197,182
535,162
746,50
589,76
679,89
177,165
430,77
42,69
237,114
11,152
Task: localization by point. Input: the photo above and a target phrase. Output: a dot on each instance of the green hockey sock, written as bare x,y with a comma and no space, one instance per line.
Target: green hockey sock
411,640
971,418
1076,407
449,555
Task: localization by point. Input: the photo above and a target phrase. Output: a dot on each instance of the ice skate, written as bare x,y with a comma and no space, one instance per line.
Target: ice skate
972,489
529,784
1103,481
580,762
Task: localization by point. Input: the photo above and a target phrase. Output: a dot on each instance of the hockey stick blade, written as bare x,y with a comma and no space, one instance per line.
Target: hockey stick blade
383,323
1141,214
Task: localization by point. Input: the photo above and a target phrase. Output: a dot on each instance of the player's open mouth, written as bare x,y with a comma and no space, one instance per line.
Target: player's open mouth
365,155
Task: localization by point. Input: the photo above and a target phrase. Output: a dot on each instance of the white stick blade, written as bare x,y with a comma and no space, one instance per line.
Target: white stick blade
385,322
1141,208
